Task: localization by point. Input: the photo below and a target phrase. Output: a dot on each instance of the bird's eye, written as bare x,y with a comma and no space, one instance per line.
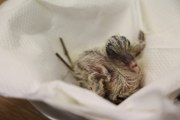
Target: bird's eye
126,58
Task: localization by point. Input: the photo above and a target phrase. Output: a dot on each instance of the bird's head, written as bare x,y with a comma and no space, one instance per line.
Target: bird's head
118,48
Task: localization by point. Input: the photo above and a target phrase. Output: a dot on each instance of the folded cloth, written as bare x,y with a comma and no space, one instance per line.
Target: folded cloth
29,39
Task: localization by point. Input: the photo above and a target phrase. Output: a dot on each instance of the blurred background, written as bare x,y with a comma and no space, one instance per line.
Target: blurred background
1,1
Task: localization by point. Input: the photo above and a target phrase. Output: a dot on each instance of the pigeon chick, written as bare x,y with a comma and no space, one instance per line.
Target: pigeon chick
112,73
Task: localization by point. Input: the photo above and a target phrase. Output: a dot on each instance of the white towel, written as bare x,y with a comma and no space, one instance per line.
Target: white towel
29,39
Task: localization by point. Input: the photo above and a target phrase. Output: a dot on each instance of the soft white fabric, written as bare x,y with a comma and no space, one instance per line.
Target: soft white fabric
29,32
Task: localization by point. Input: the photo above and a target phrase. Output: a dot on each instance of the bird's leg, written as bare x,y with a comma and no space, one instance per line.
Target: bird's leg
96,85
139,47
98,78
67,55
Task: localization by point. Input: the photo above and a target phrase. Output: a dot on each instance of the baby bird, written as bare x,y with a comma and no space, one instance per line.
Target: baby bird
112,73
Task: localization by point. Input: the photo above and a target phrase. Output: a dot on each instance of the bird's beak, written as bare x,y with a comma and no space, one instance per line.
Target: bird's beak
134,67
